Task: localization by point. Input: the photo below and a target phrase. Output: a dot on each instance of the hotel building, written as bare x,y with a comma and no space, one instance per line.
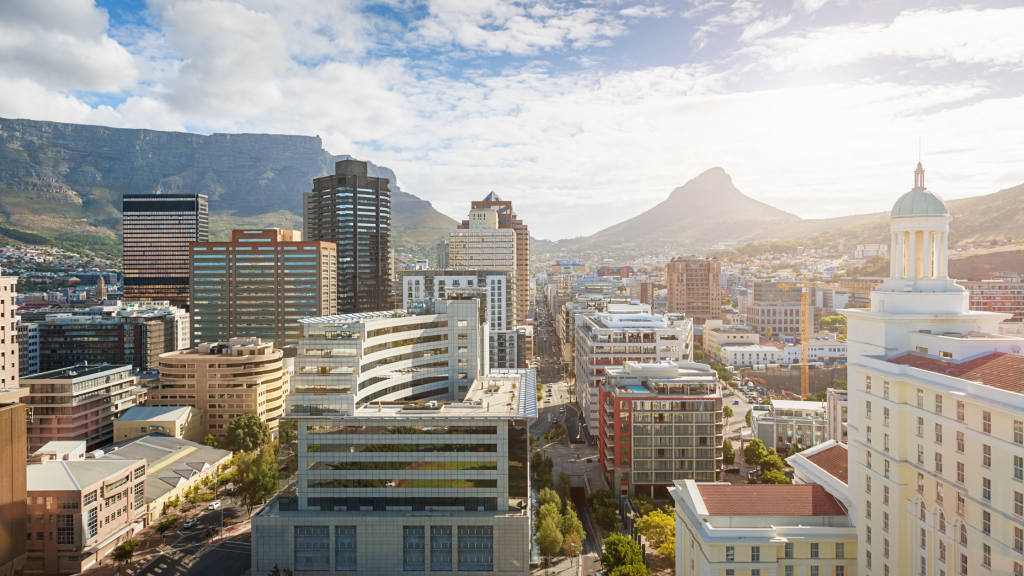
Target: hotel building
660,422
695,288
259,284
157,231
936,424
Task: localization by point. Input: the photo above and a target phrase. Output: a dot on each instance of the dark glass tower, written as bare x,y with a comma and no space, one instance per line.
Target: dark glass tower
157,229
353,210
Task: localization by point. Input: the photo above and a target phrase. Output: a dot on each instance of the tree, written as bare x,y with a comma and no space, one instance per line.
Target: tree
620,550
727,412
749,413
774,477
772,461
256,477
549,512
607,518
630,570
644,503
754,452
549,538
564,489
211,441
571,523
247,433
728,454
124,552
165,525
571,546
278,572
548,496
659,528
698,355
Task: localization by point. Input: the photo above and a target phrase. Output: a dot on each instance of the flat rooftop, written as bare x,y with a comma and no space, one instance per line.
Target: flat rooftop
78,372
351,318
154,413
504,393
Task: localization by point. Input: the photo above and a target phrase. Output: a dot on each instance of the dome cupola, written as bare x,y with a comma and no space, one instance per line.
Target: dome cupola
919,202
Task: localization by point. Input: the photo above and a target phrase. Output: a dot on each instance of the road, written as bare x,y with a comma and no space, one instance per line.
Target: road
230,558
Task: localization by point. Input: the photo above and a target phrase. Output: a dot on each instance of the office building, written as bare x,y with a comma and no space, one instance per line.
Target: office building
824,348
625,333
135,334
352,210
762,529
936,426
660,422
373,495
719,337
1004,295
790,422
695,288
347,361
774,309
259,284
80,403
157,230
508,220
183,422
837,414
173,466
226,380
81,510
484,246
8,332
28,348
13,455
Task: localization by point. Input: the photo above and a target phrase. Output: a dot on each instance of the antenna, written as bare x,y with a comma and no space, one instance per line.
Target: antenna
918,149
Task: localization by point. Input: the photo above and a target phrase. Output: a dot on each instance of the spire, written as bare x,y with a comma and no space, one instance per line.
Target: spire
919,176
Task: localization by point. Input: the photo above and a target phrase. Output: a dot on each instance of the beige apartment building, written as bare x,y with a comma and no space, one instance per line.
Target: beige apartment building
695,288
718,335
226,380
8,332
80,510
185,422
936,414
259,284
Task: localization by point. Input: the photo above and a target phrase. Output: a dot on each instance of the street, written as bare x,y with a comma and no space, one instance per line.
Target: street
230,557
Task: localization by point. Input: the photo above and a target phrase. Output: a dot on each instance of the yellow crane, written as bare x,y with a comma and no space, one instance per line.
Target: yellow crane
805,325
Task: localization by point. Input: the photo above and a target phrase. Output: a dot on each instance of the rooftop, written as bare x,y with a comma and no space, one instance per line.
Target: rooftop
154,413
351,318
504,393
78,372
72,474
996,369
63,447
769,500
171,461
797,405
833,460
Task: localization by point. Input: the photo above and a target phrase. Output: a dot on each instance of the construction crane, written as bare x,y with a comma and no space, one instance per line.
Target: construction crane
805,325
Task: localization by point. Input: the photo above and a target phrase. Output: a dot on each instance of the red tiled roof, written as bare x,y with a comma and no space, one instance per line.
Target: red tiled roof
769,500
997,369
833,460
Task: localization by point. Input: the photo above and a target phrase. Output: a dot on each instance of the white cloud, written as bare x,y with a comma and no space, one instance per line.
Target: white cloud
762,27
642,11
809,5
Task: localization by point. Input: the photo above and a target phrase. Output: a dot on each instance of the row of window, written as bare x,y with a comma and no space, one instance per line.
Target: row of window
475,545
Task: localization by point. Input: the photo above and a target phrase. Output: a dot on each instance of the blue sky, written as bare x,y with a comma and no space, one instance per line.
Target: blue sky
581,112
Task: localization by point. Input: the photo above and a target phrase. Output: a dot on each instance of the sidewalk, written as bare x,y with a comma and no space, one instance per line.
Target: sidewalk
560,566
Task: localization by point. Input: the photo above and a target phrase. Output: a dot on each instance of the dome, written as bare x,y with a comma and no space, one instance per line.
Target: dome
919,202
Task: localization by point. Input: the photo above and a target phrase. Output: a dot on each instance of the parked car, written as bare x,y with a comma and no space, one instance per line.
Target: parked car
736,402
214,505
189,523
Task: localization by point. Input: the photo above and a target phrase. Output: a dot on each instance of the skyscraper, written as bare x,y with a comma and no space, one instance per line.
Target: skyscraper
8,344
507,218
157,230
353,210
695,288
259,284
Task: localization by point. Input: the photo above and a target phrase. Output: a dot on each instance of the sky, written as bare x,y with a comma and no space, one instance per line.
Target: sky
582,112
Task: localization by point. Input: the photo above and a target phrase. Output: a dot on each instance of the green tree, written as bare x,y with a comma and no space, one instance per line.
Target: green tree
278,572
698,355
749,413
211,441
549,538
165,525
571,523
644,503
571,546
256,477
548,496
564,489
772,461
659,528
619,551
727,412
754,452
549,512
124,552
630,570
728,454
774,477
247,433
607,518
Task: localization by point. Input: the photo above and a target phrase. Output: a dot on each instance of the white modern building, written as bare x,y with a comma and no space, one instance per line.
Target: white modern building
624,333
823,348
788,422
740,355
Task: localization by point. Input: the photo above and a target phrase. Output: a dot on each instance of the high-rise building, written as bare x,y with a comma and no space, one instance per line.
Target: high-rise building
624,333
80,403
399,487
9,342
936,414
28,348
353,211
259,284
695,288
507,219
660,422
157,230
776,306
225,379
13,456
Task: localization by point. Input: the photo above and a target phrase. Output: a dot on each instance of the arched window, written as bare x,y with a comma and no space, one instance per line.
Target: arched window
942,522
922,511
963,534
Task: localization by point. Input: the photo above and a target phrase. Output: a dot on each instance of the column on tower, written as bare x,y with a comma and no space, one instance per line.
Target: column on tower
900,256
927,253
912,259
944,259
893,241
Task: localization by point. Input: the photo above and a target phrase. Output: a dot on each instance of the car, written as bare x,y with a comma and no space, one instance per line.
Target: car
548,400
391,484
214,505
189,523
561,410
736,402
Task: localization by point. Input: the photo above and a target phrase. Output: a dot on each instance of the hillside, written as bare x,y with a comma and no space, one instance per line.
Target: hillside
64,182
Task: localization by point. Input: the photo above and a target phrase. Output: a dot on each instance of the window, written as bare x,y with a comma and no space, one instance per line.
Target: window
963,565
414,550
345,548
885,547
1018,432
986,455
920,427
1018,569
869,435
867,509
867,558
868,459
730,554
960,472
476,548
755,553
920,454
814,551
924,537
924,566
959,410
885,495
960,442
755,572
867,409
920,398
885,442
885,472
815,571
986,489
885,416
1018,468
868,539
986,555
65,529
91,520
311,552
885,389
942,551
140,495
840,550
789,550
963,534
986,422
885,521
789,571
1018,539
938,404
923,512
938,492
840,571
986,522
961,504
867,484
89,498
867,384
938,463
1018,504
938,433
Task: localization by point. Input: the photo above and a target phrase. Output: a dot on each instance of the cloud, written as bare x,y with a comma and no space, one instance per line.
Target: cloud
641,11
762,27
809,6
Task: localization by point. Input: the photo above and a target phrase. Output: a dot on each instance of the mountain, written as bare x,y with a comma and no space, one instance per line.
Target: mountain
64,182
